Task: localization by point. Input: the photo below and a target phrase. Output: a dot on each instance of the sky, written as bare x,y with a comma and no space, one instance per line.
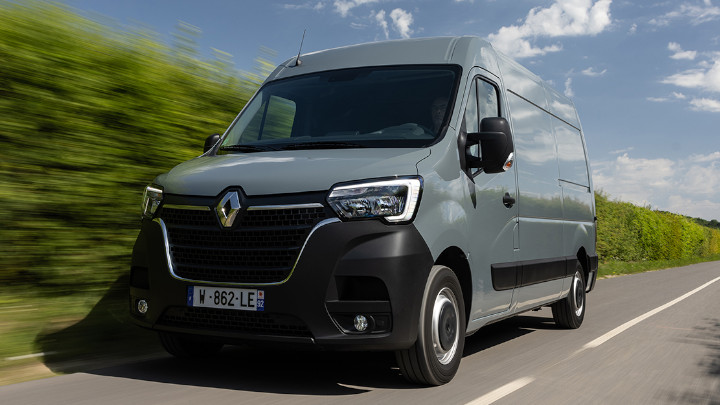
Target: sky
644,74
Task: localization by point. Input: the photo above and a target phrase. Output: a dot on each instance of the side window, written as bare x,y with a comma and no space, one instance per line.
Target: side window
487,100
482,103
471,112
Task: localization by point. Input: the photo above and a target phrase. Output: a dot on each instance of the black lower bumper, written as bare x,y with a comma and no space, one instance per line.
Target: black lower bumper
345,269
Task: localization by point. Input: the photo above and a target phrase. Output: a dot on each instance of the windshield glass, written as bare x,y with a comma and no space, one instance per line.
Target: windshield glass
354,108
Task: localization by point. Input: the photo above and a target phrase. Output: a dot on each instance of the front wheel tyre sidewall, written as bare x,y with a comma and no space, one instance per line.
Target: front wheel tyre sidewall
436,355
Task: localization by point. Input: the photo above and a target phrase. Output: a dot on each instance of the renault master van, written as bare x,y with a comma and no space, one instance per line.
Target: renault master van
393,196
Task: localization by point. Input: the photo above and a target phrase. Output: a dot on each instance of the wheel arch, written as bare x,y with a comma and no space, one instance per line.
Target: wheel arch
454,258
584,260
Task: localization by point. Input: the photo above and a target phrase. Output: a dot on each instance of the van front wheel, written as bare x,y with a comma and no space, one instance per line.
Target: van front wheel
435,357
570,312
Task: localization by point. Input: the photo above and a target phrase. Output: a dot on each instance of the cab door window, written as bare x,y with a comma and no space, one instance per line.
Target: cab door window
482,103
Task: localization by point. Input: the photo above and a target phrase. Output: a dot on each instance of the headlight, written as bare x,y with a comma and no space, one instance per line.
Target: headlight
151,200
392,200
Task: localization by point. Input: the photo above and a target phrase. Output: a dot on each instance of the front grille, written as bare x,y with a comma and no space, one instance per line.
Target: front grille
228,320
261,248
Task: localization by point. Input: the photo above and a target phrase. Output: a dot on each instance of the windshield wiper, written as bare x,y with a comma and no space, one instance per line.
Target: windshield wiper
247,148
322,145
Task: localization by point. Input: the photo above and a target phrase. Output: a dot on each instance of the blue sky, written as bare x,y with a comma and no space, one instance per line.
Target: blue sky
644,75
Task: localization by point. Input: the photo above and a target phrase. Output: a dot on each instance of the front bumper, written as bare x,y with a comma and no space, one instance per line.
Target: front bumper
345,268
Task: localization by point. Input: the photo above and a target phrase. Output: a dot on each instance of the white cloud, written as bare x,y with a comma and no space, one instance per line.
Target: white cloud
705,77
592,73
693,208
305,6
564,18
695,13
705,104
674,95
633,29
688,186
679,53
568,88
619,151
678,95
401,22
706,158
380,19
343,7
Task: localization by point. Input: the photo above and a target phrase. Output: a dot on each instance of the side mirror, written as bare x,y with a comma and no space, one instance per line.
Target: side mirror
210,141
496,143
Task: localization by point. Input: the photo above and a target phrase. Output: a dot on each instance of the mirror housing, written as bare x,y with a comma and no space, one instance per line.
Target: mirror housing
210,141
496,143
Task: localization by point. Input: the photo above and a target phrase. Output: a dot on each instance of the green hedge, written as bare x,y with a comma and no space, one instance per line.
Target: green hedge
88,116
627,232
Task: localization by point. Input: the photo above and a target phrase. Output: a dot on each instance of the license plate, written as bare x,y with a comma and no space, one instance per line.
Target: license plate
241,299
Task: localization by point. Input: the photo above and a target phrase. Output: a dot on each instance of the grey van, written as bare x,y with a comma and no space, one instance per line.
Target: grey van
393,196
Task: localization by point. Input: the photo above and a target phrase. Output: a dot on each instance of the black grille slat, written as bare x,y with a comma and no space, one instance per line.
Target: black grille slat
262,247
246,239
230,275
258,259
228,320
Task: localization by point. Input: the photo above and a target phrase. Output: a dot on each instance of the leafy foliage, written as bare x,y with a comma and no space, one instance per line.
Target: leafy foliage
88,116
627,232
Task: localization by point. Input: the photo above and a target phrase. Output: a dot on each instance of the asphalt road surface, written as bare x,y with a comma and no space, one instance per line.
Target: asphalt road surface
651,338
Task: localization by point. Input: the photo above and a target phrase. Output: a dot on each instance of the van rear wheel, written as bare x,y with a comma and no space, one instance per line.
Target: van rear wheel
570,312
435,357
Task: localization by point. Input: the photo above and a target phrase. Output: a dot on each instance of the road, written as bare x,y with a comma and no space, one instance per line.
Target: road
649,338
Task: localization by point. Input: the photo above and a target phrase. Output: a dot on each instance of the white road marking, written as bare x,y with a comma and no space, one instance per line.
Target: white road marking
501,392
622,328
509,388
26,356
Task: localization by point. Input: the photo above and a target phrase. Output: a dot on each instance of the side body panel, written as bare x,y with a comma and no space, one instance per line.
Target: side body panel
468,212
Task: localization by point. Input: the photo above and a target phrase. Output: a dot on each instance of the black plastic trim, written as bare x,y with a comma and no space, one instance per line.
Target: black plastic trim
593,261
506,276
396,255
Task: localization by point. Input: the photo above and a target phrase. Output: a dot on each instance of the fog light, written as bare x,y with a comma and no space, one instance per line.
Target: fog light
142,306
361,323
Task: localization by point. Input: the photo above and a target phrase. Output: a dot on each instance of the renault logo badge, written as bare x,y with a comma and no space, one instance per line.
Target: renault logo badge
228,208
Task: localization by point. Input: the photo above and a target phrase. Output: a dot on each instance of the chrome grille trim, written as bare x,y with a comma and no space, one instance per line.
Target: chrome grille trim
187,207
168,256
283,207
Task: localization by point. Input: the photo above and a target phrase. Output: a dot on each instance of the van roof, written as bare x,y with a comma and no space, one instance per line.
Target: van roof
466,51
416,51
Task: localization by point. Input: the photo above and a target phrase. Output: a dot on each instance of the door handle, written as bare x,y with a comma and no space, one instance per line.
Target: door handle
508,200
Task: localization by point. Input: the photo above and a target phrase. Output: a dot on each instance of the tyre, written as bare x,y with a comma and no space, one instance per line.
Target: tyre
570,312
187,348
435,357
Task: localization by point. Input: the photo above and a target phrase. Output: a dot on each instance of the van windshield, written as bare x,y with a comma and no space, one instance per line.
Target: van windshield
392,107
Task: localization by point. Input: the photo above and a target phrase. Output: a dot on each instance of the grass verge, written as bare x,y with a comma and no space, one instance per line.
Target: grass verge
618,268
55,332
